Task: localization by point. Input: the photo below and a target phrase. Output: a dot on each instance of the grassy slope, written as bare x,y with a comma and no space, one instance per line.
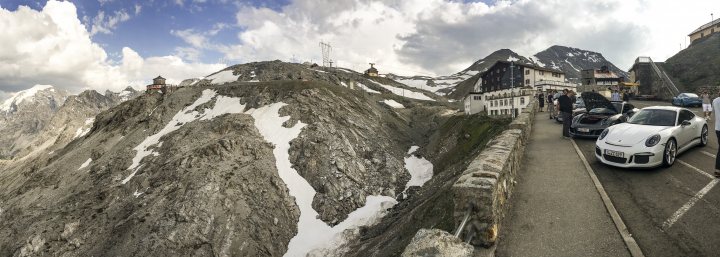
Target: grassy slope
698,65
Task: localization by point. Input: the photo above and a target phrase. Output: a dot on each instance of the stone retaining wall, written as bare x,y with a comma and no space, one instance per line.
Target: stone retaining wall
487,182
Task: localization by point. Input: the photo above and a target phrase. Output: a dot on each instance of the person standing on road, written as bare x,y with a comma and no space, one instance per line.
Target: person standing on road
706,104
551,105
716,109
615,96
541,100
565,108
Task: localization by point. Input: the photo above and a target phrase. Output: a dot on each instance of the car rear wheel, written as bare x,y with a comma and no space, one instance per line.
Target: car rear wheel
670,153
704,136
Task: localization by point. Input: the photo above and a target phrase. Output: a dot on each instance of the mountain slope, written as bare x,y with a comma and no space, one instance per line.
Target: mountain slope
235,166
573,60
697,65
44,117
25,115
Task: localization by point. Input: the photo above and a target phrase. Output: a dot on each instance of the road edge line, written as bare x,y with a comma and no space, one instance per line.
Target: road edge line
630,242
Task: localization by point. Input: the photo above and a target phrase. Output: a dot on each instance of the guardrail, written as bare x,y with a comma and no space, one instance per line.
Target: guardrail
480,194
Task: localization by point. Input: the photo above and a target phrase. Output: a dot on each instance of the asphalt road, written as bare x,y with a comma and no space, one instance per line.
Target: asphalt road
671,211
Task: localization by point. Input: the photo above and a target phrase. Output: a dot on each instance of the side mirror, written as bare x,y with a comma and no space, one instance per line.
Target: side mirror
685,123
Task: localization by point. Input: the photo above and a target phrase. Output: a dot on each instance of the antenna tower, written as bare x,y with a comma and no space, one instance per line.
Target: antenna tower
326,50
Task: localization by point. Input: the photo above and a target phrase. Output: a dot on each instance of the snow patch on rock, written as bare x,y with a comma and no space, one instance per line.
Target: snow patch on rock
85,164
223,105
393,104
367,89
222,77
82,131
313,233
404,92
421,170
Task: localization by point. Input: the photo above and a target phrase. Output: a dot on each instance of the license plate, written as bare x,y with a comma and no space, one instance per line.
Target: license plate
614,153
586,130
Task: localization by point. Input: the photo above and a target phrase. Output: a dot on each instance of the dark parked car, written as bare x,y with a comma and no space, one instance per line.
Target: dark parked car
601,113
687,99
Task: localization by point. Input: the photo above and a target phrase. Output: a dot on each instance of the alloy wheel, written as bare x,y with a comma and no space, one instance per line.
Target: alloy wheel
704,136
670,152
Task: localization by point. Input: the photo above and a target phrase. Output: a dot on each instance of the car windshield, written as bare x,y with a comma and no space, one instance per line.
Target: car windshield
618,105
654,117
691,95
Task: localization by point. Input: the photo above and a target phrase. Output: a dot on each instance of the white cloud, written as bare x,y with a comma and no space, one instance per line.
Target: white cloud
52,46
138,8
442,37
103,24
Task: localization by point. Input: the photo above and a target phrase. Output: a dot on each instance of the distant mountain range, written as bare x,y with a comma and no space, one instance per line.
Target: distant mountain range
566,59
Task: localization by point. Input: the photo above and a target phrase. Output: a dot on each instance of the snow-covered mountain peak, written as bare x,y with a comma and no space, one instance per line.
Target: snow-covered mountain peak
27,94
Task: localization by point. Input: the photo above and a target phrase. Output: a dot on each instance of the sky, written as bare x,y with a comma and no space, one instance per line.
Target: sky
112,44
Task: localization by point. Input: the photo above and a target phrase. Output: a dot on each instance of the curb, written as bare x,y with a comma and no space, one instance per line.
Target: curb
630,242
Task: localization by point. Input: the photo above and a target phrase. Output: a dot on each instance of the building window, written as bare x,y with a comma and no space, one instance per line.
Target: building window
527,72
527,81
522,100
542,73
504,68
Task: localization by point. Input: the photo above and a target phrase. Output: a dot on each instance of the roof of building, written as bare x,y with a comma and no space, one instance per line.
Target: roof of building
371,70
703,27
159,77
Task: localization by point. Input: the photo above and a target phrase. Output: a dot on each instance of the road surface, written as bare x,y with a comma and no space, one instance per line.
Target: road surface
671,211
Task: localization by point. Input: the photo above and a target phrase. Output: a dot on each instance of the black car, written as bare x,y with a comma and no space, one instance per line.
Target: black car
601,113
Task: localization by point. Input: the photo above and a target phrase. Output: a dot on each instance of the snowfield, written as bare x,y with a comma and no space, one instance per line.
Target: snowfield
222,77
313,233
393,104
421,170
403,92
188,114
82,131
367,89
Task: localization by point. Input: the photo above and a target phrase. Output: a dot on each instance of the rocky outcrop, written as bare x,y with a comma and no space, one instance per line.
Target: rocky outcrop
437,243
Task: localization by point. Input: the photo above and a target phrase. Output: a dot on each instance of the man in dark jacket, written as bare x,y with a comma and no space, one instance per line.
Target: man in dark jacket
565,107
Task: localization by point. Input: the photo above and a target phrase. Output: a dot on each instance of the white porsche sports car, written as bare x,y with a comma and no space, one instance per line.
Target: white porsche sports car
652,137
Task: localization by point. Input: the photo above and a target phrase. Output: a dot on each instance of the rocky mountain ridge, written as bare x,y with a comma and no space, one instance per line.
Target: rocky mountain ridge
259,159
43,116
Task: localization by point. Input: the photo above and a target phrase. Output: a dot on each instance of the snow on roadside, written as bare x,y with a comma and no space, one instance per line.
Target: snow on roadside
404,92
364,87
421,170
313,233
393,104
222,77
82,131
222,106
85,164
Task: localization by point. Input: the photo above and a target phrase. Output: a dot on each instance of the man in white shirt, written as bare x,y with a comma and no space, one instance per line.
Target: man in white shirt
716,109
615,96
